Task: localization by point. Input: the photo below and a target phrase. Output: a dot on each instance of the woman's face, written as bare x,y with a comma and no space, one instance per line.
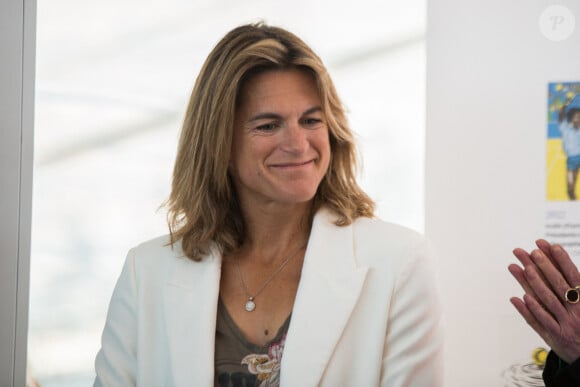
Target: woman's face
280,149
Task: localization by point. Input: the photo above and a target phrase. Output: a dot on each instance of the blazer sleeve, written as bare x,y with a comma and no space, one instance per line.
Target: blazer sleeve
116,361
413,353
557,373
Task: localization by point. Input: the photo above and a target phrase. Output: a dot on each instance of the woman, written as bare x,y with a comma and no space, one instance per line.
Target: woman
275,271
550,305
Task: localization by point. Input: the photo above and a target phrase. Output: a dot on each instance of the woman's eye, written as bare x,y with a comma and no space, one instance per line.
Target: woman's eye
311,121
267,127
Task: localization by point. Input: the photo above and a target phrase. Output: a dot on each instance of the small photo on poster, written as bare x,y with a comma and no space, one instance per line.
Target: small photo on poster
563,142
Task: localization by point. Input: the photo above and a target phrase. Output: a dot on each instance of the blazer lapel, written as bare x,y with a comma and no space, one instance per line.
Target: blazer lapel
329,289
191,299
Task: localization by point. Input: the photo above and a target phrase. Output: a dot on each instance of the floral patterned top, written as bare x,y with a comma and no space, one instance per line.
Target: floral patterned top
240,363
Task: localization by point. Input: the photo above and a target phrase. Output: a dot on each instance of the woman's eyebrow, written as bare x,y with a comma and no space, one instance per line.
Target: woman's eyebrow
312,110
265,116
276,116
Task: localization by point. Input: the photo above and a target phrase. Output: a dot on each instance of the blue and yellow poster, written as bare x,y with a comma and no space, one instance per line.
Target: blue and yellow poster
563,141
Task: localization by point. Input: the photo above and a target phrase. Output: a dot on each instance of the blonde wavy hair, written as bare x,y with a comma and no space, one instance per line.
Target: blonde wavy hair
203,209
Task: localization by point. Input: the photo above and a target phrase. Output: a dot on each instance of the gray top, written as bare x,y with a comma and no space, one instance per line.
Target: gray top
240,363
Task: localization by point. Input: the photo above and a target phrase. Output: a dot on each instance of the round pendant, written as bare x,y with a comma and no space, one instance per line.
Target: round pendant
250,306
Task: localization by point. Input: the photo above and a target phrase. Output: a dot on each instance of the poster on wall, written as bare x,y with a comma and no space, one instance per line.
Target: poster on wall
563,166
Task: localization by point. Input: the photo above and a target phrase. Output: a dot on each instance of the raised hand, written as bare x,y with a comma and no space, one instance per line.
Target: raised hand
550,304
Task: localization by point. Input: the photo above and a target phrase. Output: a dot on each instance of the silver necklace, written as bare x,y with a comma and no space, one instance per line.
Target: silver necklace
250,303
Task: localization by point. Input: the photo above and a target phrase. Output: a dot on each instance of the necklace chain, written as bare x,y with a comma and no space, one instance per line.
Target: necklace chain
250,303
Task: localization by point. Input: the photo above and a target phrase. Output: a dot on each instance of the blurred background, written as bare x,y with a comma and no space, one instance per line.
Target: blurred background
113,79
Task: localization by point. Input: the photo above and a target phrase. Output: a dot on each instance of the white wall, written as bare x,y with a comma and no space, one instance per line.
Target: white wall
488,66
17,29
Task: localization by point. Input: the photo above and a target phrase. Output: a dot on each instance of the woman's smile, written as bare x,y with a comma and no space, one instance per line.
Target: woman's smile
293,165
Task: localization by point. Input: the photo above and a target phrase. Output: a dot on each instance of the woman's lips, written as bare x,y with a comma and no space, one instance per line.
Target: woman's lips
292,164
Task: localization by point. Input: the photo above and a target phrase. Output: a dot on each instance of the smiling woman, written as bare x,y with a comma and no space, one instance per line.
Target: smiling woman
280,148
275,270
109,102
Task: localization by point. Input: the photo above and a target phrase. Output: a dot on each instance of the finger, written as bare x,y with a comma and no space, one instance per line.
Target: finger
566,265
523,310
523,256
545,246
549,325
550,272
545,295
520,276
526,260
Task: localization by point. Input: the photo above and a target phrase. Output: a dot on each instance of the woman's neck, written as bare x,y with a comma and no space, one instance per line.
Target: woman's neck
272,233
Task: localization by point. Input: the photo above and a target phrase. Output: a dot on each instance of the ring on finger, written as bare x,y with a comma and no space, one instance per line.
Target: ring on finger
572,295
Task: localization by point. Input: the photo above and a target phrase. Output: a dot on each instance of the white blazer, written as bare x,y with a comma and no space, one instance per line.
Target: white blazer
366,314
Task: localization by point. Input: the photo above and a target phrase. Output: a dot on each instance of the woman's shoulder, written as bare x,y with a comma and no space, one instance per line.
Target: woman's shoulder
160,245
386,232
160,251
372,231
385,244
158,261
153,255
158,248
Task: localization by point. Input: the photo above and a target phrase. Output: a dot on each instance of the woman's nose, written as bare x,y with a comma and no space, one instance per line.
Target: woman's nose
295,138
